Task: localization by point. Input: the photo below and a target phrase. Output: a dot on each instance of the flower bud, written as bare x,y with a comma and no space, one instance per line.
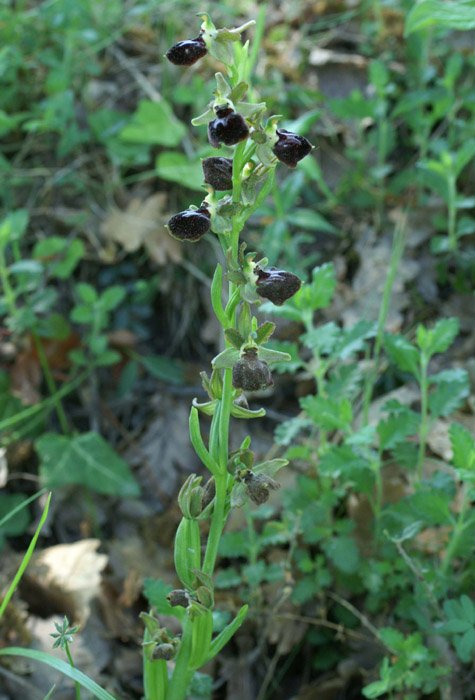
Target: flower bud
178,597
277,285
229,128
250,373
208,493
190,225
190,496
218,172
187,52
258,486
290,148
163,651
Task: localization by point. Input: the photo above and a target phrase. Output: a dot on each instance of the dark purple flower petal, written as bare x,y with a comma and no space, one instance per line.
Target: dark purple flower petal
290,148
187,52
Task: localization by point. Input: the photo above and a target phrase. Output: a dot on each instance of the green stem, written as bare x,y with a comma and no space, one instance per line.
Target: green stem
424,426
7,288
181,673
456,534
218,522
452,212
396,256
70,659
51,383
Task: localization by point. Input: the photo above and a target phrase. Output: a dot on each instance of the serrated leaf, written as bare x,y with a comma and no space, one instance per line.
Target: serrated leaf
264,332
156,590
328,413
432,507
352,339
318,293
344,381
286,432
463,446
234,544
448,395
87,460
402,353
323,339
234,337
344,553
397,428
439,338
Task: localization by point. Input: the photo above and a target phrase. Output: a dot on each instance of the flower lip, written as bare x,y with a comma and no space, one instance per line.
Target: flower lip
276,285
229,128
218,173
187,52
250,373
190,225
290,148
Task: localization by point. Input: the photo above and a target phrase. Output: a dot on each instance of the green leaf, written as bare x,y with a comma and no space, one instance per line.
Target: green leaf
17,523
176,167
432,507
86,293
439,338
13,226
319,292
286,432
311,220
356,106
468,608
451,15
65,668
345,464
352,339
452,387
223,637
82,314
344,381
87,460
254,574
154,123
465,153
322,339
344,553
402,353
156,591
271,356
327,413
454,626
228,578
112,297
163,368
226,359
463,447
397,428
107,358
466,645
234,544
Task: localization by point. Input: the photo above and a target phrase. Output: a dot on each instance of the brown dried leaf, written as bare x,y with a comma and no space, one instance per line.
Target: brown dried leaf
142,224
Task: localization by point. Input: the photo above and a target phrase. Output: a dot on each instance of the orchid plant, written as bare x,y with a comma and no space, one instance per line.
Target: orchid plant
235,187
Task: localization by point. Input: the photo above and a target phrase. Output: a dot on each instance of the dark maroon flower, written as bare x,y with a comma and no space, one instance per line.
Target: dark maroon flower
187,52
190,225
277,285
290,148
250,373
218,173
258,487
229,128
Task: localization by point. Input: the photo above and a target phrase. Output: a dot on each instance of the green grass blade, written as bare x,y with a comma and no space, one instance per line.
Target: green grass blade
25,560
21,505
64,668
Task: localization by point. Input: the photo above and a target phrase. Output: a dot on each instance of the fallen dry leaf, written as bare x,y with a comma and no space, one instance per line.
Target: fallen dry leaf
143,224
68,575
